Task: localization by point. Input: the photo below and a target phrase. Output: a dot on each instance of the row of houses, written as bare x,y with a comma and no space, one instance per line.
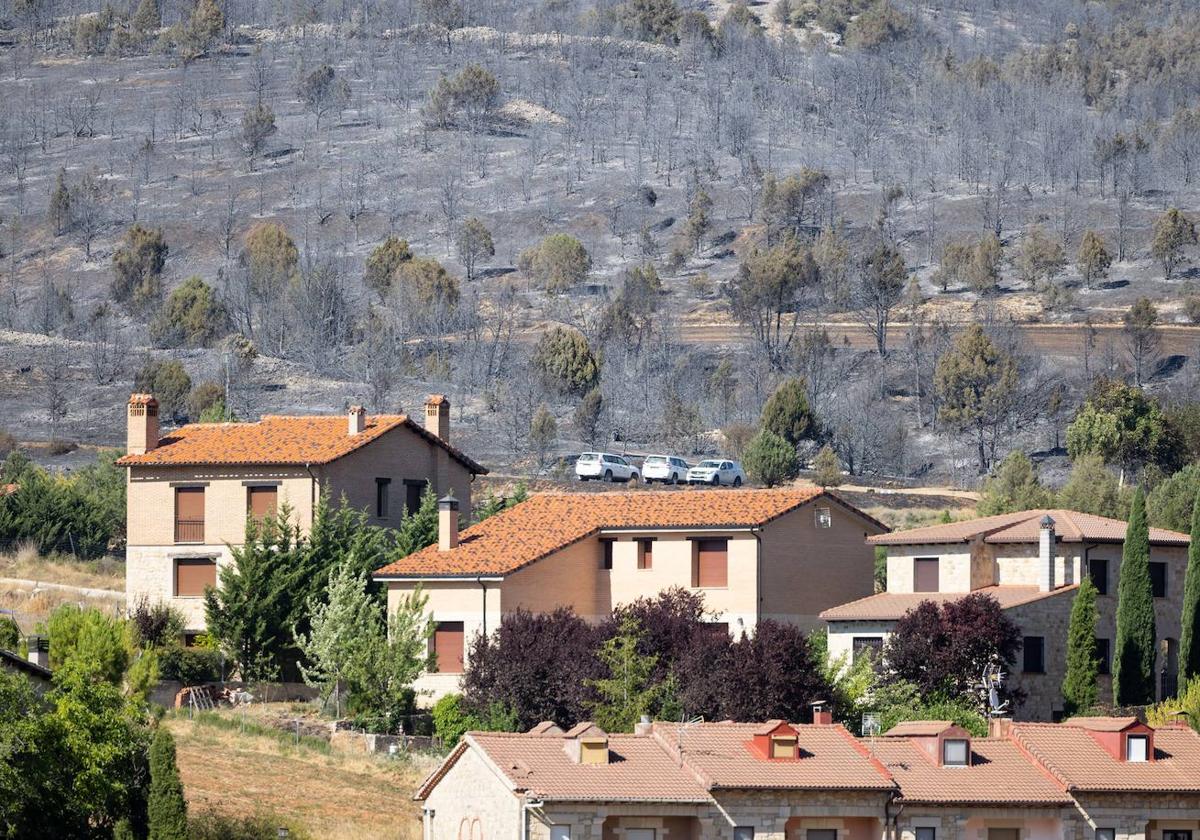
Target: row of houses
800,555
1085,779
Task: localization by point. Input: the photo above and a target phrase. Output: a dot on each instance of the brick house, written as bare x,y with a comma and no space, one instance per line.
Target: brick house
925,780
753,554
1031,562
191,491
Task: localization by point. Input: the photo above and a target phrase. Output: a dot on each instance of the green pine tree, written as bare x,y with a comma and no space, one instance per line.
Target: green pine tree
1133,659
166,808
1189,637
1083,666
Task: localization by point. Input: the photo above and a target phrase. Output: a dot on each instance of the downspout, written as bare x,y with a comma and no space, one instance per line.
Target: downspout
1087,564
757,532
483,612
427,823
528,805
312,495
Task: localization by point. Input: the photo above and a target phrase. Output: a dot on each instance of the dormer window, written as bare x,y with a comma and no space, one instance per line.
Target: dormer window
783,746
1137,748
956,752
593,751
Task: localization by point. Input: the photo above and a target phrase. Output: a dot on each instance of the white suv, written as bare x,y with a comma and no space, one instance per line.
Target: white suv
716,473
605,467
665,468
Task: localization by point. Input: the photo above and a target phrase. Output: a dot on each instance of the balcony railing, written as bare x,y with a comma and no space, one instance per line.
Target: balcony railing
189,530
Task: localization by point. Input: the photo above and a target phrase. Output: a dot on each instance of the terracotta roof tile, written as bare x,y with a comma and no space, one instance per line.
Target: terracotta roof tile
142,399
315,439
889,606
1023,527
998,774
831,758
1073,756
1102,724
549,522
639,770
914,728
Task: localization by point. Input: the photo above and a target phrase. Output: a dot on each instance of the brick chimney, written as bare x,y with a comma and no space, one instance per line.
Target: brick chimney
999,727
1045,567
141,424
357,416
437,416
447,523
822,713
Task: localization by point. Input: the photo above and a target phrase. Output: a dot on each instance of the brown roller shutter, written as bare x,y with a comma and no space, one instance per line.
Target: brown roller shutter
448,645
925,575
192,574
262,501
712,563
189,514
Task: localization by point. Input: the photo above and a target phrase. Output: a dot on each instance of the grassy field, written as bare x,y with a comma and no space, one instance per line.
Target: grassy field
327,793
31,604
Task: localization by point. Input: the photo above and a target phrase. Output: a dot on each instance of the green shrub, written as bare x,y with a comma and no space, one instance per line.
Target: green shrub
190,666
211,825
10,633
192,316
771,460
566,362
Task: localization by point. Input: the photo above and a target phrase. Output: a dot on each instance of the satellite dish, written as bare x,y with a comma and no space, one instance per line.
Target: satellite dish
870,725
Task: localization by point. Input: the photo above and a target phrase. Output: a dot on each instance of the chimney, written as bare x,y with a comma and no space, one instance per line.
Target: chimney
141,424
1045,574
447,523
999,727
437,416
643,727
39,650
357,416
822,714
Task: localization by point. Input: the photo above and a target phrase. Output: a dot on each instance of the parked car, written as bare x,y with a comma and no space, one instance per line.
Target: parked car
665,468
605,467
716,473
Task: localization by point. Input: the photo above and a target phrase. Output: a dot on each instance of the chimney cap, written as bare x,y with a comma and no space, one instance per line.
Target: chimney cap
1047,521
142,399
436,399
357,409
448,502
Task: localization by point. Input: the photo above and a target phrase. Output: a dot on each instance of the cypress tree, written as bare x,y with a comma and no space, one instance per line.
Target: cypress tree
166,808
1083,666
1189,637
1133,660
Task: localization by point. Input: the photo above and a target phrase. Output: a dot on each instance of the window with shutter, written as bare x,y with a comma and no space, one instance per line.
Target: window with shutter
448,647
926,577
262,502
193,574
189,514
712,564
646,554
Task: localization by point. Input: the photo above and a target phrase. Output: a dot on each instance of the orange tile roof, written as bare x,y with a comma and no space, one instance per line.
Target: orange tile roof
999,774
914,728
889,606
1023,527
831,758
314,439
1070,754
639,770
549,522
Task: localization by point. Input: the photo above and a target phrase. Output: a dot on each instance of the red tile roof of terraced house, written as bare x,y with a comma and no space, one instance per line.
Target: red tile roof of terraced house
889,606
301,440
549,522
1024,527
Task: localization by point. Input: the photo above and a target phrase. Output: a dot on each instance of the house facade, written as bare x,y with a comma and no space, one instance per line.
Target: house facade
192,491
753,554
1087,779
1031,562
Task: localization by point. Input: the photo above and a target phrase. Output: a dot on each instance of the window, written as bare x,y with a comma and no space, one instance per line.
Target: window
743,832
1098,572
1003,834
783,746
925,575
560,832
824,517
383,487
717,629
955,752
711,568
821,834
645,554
926,832
871,646
262,502
1158,579
1035,655
448,647
1137,748
1106,834
1104,654
606,552
193,574
189,514
1177,834
641,834
413,491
